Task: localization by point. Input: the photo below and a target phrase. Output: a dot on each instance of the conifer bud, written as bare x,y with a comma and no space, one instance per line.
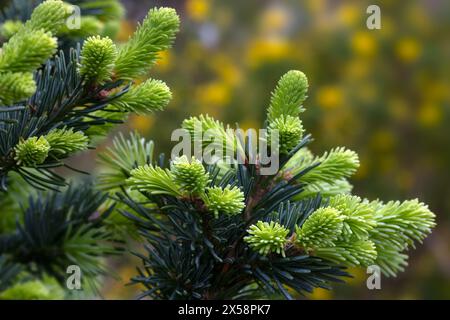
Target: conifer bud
191,176
265,237
15,87
288,96
144,98
32,151
65,141
49,16
321,229
290,132
229,200
97,59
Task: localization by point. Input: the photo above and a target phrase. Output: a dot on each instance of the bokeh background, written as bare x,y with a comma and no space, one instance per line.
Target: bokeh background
383,93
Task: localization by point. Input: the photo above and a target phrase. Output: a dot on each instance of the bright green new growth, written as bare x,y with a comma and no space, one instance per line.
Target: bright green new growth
32,151
357,253
399,224
265,237
369,232
152,95
10,28
26,51
190,176
358,216
124,156
334,165
153,180
46,289
212,133
321,229
16,87
49,16
97,59
155,34
29,46
89,25
290,132
288,96
64,142
229,201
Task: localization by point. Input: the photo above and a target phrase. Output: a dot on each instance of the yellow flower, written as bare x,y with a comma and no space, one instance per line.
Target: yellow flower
429,114
141,123
364,44
261,51
349,14
274,19
408,50
197,10
329,97
213,94
226,69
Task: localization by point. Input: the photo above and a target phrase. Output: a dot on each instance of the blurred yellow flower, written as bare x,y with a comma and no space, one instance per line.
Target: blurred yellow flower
261,51
364,43
429,114
329,97
349,14
141,123
226,69
408,50
274,19
197,10
214,94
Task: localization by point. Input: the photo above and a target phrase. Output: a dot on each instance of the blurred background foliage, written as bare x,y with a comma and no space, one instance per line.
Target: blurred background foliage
383,93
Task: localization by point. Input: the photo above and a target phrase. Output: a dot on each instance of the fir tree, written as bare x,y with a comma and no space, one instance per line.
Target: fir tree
210,231
59,94
227,231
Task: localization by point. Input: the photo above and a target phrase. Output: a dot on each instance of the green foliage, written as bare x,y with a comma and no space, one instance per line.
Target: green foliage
49,16
288,96
152,95
357,253
268,234
32,151
15,87
153,180
97,59
155,34
190,176
229,200
120,159
334,165
51,105
321,229
26,51
265,237
290,132
46,289
10,27
359,216
64,142
212,133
